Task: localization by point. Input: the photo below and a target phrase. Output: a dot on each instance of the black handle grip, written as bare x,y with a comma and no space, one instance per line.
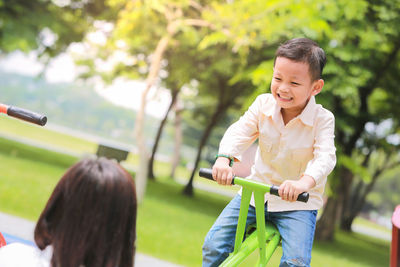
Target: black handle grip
303,197
206,173
27,115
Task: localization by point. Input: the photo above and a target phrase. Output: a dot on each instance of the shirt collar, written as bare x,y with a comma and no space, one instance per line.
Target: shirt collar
306,116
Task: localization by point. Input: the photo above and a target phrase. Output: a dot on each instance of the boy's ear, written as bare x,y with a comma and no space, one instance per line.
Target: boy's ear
317,87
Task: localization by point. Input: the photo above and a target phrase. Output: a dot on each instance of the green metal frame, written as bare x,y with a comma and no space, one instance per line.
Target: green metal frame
266,237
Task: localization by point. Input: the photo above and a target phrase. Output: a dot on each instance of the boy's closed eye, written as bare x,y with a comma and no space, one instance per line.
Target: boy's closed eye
277,78
295,83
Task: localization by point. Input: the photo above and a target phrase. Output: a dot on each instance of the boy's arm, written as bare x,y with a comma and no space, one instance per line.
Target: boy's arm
320,166
240,135
237,138
324,149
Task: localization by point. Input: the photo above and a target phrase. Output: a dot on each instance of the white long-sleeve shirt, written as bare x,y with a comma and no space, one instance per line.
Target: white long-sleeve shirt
21,255
305,145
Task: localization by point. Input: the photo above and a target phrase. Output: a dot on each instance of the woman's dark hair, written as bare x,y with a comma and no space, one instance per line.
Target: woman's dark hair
90,218
304,50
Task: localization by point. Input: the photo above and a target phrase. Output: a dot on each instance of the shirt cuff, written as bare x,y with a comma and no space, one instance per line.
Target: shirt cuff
234,155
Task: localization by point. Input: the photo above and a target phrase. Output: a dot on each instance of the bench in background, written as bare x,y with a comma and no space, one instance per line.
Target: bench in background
112,151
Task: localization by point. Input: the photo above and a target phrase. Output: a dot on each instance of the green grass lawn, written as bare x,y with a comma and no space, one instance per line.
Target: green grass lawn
170,226
28,175
43,135
365,222
25,185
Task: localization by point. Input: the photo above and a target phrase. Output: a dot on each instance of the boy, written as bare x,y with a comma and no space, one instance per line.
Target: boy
296,151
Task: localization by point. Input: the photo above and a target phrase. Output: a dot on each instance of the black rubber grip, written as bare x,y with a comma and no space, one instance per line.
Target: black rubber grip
27,115
206,173
303,197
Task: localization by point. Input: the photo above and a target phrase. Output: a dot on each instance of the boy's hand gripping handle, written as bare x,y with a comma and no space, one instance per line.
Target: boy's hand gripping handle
207,173
23,114
303,197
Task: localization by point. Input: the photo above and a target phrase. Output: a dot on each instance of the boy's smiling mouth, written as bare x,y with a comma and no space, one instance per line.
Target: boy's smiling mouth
284,98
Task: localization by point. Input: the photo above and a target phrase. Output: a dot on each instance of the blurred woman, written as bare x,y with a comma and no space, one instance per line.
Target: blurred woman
89,220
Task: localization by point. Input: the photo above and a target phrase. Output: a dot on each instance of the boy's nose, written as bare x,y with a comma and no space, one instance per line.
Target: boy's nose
283,89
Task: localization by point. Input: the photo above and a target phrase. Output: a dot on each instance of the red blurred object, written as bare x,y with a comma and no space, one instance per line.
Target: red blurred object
3,108
395,247
2,241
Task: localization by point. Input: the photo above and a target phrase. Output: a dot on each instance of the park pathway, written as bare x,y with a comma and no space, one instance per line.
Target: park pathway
16,229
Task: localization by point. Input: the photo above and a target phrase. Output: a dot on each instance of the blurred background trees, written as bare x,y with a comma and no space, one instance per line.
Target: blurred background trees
216,56
47,27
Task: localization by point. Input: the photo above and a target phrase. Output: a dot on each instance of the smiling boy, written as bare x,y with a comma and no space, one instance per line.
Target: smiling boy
296,152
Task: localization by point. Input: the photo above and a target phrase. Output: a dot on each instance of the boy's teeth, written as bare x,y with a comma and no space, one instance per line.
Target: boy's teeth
286,98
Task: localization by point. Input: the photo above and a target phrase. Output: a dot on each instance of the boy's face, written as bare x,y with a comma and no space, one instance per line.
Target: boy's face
292,85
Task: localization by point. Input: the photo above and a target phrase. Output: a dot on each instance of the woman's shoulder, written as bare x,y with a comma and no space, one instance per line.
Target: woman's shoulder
15,248
18,254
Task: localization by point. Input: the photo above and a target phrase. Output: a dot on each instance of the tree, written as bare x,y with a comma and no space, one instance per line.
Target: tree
176,155
226,96
360,89
375,164
45,26
150,165
181,60
151,40
379,201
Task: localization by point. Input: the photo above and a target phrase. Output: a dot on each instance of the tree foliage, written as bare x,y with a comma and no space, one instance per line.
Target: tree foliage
46,26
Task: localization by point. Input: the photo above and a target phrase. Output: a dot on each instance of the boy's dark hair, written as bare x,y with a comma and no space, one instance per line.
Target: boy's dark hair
90,218
304,50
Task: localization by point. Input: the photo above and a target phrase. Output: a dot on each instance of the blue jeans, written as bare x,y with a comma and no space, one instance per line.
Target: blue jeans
296,229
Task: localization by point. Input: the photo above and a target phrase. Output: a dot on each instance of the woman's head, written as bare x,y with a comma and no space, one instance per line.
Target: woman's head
90,218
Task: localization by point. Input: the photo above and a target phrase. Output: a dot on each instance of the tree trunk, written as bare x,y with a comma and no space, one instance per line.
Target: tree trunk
150,167
325,228
349,210
359,201
344,196
225,100
178,139
213,121
141,175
